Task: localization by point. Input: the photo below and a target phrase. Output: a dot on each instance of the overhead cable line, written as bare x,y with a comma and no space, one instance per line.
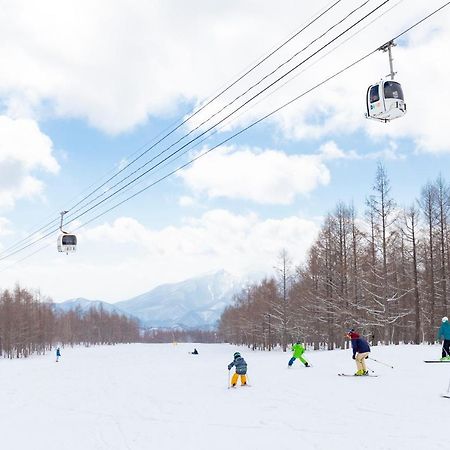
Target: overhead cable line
221,92
201,134
253,123
216,130
266,116
226,106
325,55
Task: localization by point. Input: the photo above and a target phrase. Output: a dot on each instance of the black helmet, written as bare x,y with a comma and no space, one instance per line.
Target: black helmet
236,355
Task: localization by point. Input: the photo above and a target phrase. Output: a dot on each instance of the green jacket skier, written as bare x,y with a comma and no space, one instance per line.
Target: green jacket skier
298,350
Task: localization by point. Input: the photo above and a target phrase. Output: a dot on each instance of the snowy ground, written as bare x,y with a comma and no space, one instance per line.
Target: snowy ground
157,396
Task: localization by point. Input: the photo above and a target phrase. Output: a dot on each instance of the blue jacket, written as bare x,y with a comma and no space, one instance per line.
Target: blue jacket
240,364
360,345
444,331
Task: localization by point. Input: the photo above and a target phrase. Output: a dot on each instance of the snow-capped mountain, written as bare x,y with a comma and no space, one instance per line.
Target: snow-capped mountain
85,305
196,302
193,303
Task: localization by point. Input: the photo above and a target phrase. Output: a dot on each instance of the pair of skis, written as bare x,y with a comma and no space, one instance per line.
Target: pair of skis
356,376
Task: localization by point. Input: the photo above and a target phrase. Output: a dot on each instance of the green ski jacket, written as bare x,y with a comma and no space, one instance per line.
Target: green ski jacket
298,350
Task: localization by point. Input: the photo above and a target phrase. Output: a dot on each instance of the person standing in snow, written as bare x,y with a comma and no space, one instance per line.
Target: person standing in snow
195,352
444,333
58,354
241,369
298,350
361,351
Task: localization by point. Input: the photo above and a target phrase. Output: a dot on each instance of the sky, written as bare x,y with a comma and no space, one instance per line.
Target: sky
86,87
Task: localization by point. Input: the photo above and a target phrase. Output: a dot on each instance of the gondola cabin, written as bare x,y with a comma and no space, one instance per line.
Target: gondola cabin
67,243
385,101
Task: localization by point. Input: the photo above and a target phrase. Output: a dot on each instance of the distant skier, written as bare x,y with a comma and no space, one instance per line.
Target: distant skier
58,354
361,351
444,333
241,369
195,352
298,350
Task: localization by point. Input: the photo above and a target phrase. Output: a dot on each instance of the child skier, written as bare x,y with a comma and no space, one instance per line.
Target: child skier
241,369
298,350
444,332
58,354
361,351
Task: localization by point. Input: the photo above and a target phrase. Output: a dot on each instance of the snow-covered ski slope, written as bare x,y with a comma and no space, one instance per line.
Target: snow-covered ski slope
157,396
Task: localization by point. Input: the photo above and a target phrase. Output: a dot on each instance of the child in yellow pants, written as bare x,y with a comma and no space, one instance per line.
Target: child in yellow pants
241,369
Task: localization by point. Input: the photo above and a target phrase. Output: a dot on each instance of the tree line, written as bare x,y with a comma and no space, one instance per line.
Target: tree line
162,335
31,326
385,272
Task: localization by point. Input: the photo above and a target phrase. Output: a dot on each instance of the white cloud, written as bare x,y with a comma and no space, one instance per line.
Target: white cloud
4,226
24,149
186,201
131,258
269,176
330,151
391,153
338,107
115,63
263,176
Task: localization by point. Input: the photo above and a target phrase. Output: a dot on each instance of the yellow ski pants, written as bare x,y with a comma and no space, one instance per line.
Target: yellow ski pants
234,379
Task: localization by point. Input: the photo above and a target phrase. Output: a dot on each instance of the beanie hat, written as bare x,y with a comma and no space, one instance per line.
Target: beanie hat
445,319
236,355
352,334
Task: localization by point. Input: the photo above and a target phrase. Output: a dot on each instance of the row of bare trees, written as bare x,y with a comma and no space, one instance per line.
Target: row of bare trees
160,335
385,273
28,325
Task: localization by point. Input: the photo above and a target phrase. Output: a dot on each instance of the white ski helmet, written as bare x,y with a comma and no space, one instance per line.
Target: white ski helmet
445,319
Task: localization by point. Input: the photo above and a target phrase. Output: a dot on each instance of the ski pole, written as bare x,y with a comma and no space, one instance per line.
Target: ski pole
228,382
381,362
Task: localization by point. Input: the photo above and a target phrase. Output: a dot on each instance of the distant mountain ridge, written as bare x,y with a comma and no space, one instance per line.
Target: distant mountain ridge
84,305
194,303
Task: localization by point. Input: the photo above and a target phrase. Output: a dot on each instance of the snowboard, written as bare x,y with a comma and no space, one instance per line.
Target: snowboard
356,376
437,361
